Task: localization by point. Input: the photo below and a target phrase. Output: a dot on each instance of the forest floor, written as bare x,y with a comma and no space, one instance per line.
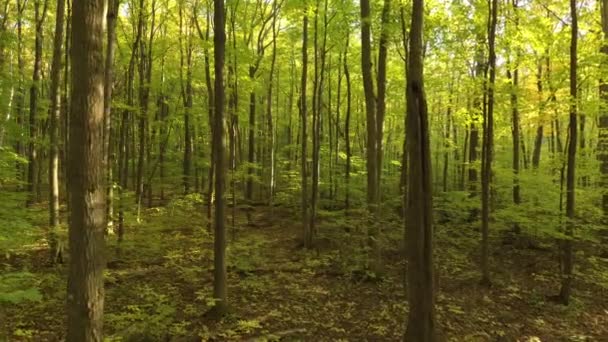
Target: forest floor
159,285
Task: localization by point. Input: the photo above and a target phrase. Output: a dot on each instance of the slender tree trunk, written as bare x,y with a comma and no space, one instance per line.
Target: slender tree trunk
488,149
219,263
447,143
538,141
603,121
186,92
347,126
107,110
32,170
20,96
370,105
304,140
568,254
421,326
87,178
515,134
54,113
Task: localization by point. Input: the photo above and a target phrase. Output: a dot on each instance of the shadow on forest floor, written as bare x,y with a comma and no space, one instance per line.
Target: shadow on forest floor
160,287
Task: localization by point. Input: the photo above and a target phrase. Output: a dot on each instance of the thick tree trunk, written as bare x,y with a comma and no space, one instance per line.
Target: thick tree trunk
421,326
87,186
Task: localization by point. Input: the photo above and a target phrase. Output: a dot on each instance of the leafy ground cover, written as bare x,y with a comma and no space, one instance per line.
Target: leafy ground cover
159,284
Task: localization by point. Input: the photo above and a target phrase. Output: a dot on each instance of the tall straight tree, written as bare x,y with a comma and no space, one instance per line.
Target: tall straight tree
603,122
86,175
112,14
515,132
32,169
421,325
488,145
375,108
568,262
219,263
303,114
370,104
54,113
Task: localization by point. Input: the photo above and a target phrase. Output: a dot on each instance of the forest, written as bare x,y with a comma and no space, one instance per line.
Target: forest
304,170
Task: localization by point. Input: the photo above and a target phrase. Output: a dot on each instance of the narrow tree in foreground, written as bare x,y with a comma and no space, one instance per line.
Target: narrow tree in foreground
303,109
219,263
419,226
32,169
54,112
603,122
86,175
568,262
488,148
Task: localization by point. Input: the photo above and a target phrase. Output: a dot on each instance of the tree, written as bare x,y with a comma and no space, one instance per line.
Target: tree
374,113
32,169
515,120
488,147
112,14
308,238
85,299
219,263
568,262
421,324
54,116
603,122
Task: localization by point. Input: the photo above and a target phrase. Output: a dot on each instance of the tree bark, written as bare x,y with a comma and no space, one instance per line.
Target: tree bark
488,149
568,254
347,126
307,238
603,120
85,298
219,260
107,105
421,325
32,170
54,113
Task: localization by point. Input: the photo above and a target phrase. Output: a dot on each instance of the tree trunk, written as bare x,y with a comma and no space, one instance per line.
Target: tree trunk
32,172
347,126
304,140
186,92
603,121
54,113
538,141
488,149
87,186
568,254
370,106
421,326
20,96
515,134
219,260
107,110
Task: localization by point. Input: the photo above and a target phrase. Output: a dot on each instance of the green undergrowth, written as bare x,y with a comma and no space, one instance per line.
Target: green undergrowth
159,280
